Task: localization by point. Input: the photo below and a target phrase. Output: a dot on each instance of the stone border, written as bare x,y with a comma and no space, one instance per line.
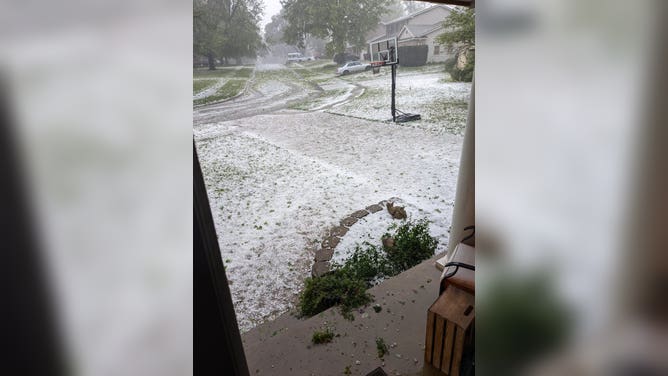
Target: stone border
323,255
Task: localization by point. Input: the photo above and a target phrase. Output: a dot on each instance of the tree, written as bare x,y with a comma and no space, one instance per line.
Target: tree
342,22
273,31
459,32
414,6
395,9
226,29
459,37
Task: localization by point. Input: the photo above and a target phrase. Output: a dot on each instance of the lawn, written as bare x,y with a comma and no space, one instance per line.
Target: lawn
200,85
276,183
228,90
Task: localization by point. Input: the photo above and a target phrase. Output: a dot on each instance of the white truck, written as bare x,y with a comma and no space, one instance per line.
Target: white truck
294,57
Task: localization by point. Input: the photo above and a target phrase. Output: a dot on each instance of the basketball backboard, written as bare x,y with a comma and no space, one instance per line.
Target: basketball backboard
384,50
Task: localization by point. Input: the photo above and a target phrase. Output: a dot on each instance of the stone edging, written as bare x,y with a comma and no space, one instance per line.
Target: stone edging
324,253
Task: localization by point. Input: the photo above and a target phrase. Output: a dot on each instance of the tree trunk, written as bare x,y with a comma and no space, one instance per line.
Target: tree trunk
212,62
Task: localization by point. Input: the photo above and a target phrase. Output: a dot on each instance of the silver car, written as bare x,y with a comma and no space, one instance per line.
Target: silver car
351,67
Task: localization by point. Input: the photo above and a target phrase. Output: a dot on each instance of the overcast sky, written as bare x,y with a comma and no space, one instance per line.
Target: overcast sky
271,7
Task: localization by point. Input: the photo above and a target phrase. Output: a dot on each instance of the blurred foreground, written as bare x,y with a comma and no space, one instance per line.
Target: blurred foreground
571,182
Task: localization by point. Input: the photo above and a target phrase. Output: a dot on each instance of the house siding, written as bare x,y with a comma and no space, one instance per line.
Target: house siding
433,16
431,42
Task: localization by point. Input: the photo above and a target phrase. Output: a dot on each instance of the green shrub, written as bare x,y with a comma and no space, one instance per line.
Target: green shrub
320,337
465,74
367,264
334,288
412,245
346,284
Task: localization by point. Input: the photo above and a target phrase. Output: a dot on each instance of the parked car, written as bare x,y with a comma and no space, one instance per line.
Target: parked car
351,67
298,57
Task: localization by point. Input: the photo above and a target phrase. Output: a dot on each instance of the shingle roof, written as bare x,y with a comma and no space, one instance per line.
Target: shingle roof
420,31
419,12
381,37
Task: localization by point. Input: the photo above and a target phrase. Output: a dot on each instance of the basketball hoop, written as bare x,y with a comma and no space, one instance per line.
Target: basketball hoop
386,52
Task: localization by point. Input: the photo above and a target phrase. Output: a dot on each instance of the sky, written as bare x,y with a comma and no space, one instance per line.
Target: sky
271,7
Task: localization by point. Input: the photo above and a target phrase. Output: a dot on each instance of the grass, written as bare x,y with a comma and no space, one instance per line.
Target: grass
243,73
324,336
199,85
310,104
450,113
346,284
220,72
230,89
381,347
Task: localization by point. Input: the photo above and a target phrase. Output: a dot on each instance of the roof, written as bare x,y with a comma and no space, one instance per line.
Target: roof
465,3
419,31
419,12
382,37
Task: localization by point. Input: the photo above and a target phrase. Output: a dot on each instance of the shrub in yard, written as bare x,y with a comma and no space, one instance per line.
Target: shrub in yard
324,336
466,73
346,284
412,245
335,288
367,264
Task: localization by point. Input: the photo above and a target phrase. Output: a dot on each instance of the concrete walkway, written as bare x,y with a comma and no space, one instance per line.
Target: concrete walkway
283,346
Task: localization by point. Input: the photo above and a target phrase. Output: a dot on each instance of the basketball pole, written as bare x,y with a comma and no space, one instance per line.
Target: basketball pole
394,85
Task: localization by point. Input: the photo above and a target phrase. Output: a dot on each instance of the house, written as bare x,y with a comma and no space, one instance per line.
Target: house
418,35
419,28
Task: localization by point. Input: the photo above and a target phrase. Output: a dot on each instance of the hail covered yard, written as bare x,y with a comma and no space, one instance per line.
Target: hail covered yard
280,177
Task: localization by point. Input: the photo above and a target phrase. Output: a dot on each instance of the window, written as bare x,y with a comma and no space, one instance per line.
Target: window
437,49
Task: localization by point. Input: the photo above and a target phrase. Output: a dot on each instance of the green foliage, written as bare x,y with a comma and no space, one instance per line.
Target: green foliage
226,29
230,89
395,9
367,264
243,73
412,245
459,37
199,85
381,347
341,22
273,31
320,337
218,73
346,371
334,288
464,74
459,30
346,284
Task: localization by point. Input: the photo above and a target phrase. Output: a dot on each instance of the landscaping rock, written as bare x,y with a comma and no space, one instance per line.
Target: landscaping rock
348,221
320,268
360,214
339,231
324,254
330,242
388,242
397,212
374,208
